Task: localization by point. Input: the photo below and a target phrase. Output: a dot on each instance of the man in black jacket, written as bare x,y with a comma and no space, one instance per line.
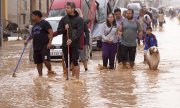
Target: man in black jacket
74,24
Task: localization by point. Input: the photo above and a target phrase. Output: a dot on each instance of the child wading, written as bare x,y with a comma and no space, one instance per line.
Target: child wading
149,41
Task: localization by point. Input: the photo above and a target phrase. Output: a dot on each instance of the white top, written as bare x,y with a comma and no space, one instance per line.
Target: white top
111,36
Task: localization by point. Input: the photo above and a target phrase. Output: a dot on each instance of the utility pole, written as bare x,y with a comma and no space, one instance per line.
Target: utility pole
1,25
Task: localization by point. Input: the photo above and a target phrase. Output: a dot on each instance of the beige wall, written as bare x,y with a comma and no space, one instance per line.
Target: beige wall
4,12
12,14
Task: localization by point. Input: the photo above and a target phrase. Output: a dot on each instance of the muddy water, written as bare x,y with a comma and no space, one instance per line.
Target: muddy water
137,88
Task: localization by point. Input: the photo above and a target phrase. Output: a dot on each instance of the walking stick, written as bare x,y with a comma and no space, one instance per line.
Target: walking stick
68,71
14,73
116,57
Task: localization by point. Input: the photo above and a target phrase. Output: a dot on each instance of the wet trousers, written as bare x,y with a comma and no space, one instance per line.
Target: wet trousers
108,53
128,50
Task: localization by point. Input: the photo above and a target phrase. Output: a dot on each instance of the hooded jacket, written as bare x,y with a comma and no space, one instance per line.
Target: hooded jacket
76,25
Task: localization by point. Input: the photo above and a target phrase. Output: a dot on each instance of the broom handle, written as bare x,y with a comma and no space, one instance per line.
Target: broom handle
68,72
20,59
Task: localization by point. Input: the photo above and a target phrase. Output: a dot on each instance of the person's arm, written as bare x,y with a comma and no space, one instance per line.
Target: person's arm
60,29
156,42
140,31
48,28
102,32
50,36
29,38
119,30
86,30
144,39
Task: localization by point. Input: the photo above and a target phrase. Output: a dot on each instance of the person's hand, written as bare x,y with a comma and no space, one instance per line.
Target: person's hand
49,45
110,41
119,34
69,41
67,26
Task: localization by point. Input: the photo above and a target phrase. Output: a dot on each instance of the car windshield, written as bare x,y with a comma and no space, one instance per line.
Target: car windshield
57,12
54,24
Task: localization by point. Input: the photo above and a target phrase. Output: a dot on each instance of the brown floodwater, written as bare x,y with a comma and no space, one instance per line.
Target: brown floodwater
137,88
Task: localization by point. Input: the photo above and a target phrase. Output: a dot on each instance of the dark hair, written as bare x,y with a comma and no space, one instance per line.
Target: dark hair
71,4
131,11
108,23
149,28
117,10
37,13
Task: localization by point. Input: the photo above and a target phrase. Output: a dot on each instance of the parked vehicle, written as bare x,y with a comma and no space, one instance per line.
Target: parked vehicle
88,8
56,50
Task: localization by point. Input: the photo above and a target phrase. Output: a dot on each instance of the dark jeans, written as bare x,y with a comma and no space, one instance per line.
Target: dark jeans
131,50
74,55
108,53
119,53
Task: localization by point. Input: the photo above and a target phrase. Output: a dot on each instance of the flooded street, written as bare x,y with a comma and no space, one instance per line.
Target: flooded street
137,88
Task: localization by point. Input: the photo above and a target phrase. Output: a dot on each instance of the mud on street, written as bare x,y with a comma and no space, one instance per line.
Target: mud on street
137,88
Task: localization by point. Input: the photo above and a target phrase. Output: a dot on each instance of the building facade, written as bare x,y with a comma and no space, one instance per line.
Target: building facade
166,3
19,11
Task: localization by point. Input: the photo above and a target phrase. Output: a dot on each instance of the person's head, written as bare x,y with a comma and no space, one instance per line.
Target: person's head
144,8
161,11
78,10
129,14
117,13
149,30
124,14
70,8
111,20
141,12
36,16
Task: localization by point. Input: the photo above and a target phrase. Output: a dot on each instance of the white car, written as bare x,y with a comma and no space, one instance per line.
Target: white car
56,50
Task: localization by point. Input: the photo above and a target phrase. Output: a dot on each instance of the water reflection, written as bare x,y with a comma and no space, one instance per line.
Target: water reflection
118,88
